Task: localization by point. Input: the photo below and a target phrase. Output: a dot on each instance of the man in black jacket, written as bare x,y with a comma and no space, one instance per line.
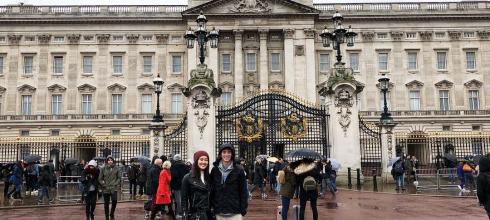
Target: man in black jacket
483,184
178,171
152,182
229,194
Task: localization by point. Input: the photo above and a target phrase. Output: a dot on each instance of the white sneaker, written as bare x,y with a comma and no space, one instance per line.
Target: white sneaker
28,193
459,187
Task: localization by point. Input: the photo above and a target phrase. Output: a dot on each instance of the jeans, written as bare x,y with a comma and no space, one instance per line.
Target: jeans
90,202
132,187
6,188
177,200
304,196
44,192
285,207
399,181
142,188
452,177
108,197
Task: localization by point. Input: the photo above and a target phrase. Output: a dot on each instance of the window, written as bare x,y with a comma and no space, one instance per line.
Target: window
147,37
24,133
446,128
28,65
55,132
354,61
175,39
250,62
29,38
324,62
86,104
382,100
116,103
441,60
275,62
115,132
145,131
470,60
88,38
444,100
226,98
440,35
383,61
2,39
56,104
468,34
415,100
117,64
147,64
176,107
226,62
87,64
476,127
59,39
382,35
58,65
117,38
474,99
411,35
1,65
146,101
412,60
176,64
26,107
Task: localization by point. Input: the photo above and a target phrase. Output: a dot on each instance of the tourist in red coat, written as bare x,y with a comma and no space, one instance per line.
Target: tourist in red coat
163,199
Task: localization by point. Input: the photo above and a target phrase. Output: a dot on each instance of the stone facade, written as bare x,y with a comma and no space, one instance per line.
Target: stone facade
104,51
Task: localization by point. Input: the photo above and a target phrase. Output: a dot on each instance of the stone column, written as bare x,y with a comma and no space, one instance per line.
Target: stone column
191,59
264,68
289,60
238,65
156,142
213,61
388,150
310,65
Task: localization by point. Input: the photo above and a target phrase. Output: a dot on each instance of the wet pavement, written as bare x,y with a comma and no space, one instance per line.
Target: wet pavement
348,205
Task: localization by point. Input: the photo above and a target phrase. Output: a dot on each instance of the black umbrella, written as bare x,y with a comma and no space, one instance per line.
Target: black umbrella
144,161
451,157
99,158
305,153
31,158
71,161
477,158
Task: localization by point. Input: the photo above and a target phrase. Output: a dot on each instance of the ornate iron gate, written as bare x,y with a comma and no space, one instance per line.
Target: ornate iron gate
175,140
272,123
370,141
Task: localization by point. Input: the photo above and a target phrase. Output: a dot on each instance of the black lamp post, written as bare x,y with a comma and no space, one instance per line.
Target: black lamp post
338,35
158,82
384,83
202,36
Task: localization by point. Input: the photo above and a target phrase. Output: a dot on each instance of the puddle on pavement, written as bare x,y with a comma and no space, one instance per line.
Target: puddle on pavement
332,205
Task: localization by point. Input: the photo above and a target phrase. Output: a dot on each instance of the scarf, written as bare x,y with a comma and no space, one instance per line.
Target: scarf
225,171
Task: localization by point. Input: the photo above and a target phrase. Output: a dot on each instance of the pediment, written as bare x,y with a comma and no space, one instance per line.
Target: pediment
116,87
87,88
473,84
175,86
414,84
444,84
56,88
251,7
26,89
226,84
146,87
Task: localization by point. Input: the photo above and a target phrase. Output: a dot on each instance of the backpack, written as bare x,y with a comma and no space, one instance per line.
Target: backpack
309,183
398,167
133,172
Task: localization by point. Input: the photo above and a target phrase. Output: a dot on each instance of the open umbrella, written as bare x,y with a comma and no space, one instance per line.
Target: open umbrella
392,161
305,153
335,164
99,158
71,161
451,158
144,161
477,158
31,158
261,157
272,159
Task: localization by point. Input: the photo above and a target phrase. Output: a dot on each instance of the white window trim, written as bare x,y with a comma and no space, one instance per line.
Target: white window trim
142,101
34,63
93,64
419,102
246,66
171,66
387,70
466,60
408,52
152,64
60,103
329,62
437,60
91,103
122,64
53,72
121,101
221,62
358,70
448,99
280,62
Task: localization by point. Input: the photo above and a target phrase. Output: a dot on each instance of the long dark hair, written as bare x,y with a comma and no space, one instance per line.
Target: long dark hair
197,171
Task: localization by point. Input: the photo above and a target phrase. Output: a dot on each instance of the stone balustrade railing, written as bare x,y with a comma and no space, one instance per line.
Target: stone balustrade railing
404,6
144,117
429,113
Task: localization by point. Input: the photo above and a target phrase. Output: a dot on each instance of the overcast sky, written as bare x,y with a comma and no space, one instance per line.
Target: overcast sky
171,2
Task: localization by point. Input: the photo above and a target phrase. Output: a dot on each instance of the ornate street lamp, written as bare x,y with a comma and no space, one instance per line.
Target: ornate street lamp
202,36
338,35
158,83
384,83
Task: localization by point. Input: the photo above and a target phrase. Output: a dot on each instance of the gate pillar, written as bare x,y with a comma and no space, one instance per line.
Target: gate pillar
388,150
341,91
156,142
202,94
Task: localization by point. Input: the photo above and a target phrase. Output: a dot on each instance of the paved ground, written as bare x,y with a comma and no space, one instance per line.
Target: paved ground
348,205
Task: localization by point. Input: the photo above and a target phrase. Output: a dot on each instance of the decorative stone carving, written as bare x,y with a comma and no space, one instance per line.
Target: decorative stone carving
444,84
44,38
397,35
414,84
116,87
473,84
146,88
343,102
132,38
263,33
276,85
238,34
201,75
299,50
2,89
162,38
426,35
251,6
202,119
103,38
249,127
454,35
294,126
56,88
26,89
73,38
289,33
200,100
367,36
484,35
309,33
86,88
389,136
14,39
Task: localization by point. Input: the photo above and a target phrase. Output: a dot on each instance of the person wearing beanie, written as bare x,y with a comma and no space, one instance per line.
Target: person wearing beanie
178,171
195,189
483,183
110,181
229,193
89,179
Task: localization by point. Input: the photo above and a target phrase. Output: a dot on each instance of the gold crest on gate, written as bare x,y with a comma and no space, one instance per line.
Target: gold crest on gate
249,127
294,126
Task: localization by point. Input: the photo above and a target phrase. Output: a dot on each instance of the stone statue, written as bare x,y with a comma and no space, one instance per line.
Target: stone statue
251,6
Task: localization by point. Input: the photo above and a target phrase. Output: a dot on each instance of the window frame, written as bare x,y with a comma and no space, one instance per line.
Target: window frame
2,64
88,103
411,62
445,60
247,63
24,65
57,68
117,105
114,65
419,101
279,63
222,63
26,107
358,69
145,65
474,60
58,103
387,61
328,62
145,102
174,66
471,98
84,65
176,106
444,101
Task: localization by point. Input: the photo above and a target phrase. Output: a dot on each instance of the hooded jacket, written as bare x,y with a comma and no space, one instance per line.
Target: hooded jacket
90,177
110,179
483,183
231,195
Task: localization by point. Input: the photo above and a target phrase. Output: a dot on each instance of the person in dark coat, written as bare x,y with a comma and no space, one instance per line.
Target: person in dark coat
17,181
483,184
195,189
306,168
152,182
229,194
178,171
7,172
44,181
287,179
259,178
89,179
133,172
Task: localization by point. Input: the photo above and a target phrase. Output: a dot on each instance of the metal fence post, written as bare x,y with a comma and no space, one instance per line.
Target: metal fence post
358,178
438,180
375,183
349,178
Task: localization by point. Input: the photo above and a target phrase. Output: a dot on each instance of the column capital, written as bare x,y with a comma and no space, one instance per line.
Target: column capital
288,33
309,33
263,33
238,34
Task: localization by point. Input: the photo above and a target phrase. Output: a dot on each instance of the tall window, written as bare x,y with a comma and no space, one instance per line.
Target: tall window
250,62
176,107
56,104
226,62
26,105
441,60
275,62
177,64
354,61
117,64
324,62
1,65
412,61
28,65
147,63
226,98
444,100
383,61
87,64
58,65
86,104
414,100
116,103
146,103
474,99
470,60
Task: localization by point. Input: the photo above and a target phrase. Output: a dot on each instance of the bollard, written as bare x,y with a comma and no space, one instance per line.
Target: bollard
375,183
358,178
349,178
